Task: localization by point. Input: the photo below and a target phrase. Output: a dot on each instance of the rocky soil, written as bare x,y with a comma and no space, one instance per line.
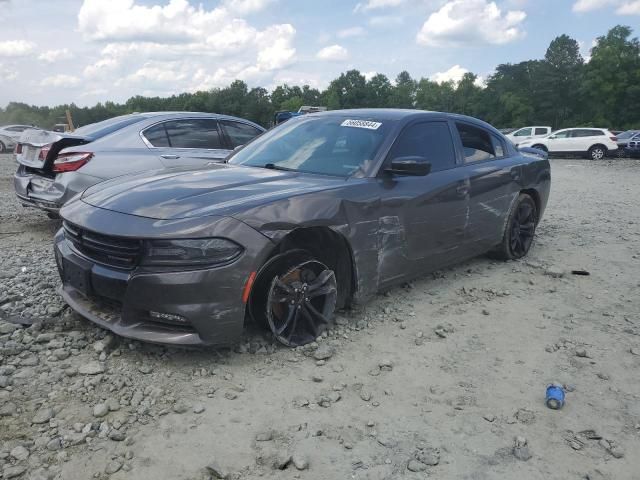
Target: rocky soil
443,378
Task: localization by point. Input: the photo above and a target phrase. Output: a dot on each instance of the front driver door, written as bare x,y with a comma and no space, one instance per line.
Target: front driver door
560,141
422,217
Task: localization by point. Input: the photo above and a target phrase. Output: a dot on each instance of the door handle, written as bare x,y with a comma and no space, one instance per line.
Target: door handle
170,157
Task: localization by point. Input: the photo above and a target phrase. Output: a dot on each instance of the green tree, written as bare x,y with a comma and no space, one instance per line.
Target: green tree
611,87
404,91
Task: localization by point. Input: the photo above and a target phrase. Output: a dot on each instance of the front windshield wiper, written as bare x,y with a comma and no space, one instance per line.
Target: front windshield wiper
273,166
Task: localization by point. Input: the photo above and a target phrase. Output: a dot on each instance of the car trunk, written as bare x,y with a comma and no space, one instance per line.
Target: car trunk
38,149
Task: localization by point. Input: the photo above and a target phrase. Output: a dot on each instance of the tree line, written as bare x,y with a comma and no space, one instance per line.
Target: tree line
560,90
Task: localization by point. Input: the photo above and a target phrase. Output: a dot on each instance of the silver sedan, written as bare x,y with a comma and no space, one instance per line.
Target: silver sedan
54,167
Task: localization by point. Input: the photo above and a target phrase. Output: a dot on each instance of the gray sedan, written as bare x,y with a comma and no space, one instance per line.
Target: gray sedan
54,167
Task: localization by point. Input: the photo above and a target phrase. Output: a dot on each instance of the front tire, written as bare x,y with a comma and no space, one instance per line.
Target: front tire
3,148
597,152
295,295
520,230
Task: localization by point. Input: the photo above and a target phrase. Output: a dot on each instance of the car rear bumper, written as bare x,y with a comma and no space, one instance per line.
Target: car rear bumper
191,307
51,193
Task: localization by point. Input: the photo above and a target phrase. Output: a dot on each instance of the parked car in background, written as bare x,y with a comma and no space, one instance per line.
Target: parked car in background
53,167
632,148
594,143
326,209
626,136
527,133
7,144
9,135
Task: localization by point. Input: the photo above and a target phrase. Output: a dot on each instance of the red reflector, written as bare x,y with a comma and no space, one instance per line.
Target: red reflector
18,149
44,151
247,287
70,162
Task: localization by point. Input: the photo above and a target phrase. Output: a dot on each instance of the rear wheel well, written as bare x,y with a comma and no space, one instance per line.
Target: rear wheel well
329,247
598,145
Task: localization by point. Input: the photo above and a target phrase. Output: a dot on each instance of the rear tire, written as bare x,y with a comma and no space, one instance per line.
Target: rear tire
541,147
597,152
520,230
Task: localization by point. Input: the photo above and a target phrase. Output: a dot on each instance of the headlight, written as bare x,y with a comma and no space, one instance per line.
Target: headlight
202,251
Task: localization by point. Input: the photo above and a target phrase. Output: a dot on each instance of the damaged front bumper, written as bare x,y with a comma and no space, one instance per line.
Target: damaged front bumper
187,307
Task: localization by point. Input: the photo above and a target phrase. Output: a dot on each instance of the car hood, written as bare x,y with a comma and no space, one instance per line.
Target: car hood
219,190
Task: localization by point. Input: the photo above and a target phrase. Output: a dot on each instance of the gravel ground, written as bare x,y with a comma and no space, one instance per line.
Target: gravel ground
443,378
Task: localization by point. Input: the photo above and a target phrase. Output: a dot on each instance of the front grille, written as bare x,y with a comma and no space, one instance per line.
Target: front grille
114,251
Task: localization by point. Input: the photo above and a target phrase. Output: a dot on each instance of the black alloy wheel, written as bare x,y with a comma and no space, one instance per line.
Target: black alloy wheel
522,228
301,302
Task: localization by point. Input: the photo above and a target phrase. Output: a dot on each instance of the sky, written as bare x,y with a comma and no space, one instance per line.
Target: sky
89,51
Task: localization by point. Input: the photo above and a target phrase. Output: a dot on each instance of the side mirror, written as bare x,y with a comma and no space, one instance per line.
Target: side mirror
412,165
552,137
237,147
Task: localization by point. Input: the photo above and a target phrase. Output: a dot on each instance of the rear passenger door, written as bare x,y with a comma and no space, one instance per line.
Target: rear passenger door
491,174
187,142
239,133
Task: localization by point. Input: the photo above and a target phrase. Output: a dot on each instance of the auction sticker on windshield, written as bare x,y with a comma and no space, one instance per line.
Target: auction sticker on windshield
361,124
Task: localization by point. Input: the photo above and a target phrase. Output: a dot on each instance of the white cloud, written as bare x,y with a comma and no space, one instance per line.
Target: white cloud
16,48
198,48
244,7
377,4
369,75
623,7
351,32
7,74
588,5
387,21
60,80
52,56
455,73
468,22
333,53
629,8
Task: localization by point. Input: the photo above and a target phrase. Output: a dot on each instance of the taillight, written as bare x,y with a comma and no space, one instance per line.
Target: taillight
44,151
614,139
69,162
18,149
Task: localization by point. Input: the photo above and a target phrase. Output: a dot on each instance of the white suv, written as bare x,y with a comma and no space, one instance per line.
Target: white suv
527,133
595,143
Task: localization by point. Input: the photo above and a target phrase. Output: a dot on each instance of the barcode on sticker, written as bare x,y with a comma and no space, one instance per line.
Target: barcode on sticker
361,124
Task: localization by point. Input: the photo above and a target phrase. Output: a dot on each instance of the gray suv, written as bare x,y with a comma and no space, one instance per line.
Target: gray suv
53,167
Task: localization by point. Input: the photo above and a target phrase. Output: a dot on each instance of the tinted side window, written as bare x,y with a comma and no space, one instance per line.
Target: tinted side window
563,134
525,132
239,133
596,133
541,131
157,135
476,143
193,133
431,140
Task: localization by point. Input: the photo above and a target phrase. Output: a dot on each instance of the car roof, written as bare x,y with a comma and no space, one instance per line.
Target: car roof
400,114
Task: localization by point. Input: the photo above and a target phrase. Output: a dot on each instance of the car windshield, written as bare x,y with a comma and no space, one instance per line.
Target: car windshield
627,134
100,129
328,145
